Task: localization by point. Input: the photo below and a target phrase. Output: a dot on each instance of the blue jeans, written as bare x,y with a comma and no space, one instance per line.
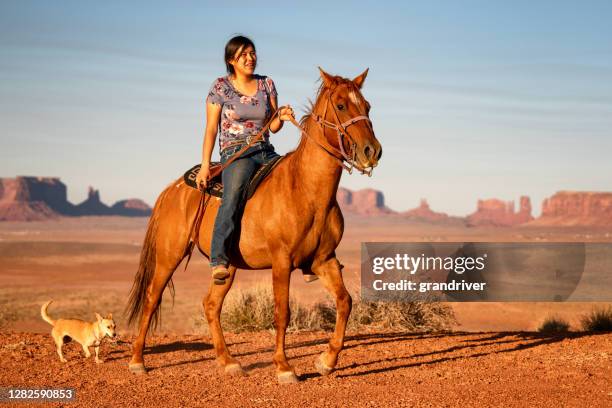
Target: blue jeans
235,179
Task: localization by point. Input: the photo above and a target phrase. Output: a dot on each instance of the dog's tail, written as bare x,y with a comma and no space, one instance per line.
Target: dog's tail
44,315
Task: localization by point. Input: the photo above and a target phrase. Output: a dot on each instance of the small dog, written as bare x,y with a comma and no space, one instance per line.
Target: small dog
85,333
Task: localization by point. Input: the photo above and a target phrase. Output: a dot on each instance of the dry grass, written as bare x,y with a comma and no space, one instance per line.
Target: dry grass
253,310
554,325
414,316
598,320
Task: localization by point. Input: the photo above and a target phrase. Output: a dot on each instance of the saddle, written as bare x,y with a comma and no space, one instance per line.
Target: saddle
215,186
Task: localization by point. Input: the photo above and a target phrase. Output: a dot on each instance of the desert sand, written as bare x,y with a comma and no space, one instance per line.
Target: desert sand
88,263
493,358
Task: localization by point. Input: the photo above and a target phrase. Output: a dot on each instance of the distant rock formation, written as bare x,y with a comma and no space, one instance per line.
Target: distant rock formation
39,198
424,213
497,213
25,211
34,192
92,205
576,208
362,202
133,207
24,198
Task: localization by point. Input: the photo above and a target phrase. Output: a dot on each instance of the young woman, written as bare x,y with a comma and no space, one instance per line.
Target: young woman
238,106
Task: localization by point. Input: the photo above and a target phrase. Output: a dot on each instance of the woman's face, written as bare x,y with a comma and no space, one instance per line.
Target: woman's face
245,61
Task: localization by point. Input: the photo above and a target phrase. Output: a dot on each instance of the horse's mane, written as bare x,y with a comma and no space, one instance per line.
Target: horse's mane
336,80
311,104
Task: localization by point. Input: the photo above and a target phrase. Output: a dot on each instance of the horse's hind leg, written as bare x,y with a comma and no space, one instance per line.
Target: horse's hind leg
165,245
331,276
163,273
212,307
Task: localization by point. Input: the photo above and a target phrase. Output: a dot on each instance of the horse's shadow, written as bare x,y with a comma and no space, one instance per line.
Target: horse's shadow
350,342
178,346
174,346
518,340
504,338
189,346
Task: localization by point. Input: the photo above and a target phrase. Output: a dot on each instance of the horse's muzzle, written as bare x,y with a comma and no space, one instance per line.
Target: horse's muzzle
371,154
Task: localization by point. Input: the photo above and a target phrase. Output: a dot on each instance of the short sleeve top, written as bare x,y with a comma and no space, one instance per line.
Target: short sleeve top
241,115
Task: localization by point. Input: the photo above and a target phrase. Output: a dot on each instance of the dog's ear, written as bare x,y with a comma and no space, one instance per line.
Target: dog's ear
98,317
110,316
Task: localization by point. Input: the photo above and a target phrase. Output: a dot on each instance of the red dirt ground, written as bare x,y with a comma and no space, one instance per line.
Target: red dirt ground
87,264
509,369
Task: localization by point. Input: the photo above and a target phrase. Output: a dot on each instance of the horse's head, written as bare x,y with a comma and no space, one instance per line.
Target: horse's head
343,113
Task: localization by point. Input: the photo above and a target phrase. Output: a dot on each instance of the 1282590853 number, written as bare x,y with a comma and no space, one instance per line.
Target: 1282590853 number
32,393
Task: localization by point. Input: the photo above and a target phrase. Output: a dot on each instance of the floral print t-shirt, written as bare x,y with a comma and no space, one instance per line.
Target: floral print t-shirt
241,115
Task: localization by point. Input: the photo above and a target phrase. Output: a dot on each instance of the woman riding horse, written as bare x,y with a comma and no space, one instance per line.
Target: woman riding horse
238,106
292,221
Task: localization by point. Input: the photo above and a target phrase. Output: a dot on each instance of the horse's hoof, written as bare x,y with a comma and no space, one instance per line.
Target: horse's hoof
321,367
235,370
219,281
287,377
138,368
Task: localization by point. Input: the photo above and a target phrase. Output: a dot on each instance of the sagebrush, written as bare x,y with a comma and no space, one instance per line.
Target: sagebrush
598,320
253,309
553,325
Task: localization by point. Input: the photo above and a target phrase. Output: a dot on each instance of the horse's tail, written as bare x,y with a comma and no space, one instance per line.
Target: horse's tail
44,315
146,269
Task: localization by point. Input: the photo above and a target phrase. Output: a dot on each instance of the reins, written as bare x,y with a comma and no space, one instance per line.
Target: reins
252,141
341,130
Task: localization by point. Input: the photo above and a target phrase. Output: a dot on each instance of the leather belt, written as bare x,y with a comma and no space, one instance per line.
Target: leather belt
247,141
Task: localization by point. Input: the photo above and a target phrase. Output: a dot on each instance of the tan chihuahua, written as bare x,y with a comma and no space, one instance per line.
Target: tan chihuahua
85,333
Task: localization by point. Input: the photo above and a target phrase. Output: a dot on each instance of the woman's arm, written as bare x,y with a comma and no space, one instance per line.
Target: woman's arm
213,115
284,114
276,124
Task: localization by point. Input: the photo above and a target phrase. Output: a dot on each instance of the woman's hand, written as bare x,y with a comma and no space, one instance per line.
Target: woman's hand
202,177
286,113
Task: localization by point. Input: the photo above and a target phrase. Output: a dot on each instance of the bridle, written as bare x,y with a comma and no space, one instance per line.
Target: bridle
341,129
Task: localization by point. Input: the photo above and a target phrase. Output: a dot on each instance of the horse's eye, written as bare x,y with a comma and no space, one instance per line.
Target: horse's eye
340,107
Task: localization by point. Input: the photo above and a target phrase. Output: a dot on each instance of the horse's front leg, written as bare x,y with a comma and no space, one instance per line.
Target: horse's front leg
330,274
213,302
281,272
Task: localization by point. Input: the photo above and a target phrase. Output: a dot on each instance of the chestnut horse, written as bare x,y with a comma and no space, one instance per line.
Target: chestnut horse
292,221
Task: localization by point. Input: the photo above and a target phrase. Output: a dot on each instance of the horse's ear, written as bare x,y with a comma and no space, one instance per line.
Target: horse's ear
327,79
98,317
361,78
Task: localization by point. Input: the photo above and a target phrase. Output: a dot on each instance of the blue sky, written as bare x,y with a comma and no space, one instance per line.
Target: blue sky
471,99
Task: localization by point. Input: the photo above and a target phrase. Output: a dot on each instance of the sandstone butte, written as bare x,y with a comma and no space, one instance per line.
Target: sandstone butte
497,213
39,198
424,213
576,208
362,202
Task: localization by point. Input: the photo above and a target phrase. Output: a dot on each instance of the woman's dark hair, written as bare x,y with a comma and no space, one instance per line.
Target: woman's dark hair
232,47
